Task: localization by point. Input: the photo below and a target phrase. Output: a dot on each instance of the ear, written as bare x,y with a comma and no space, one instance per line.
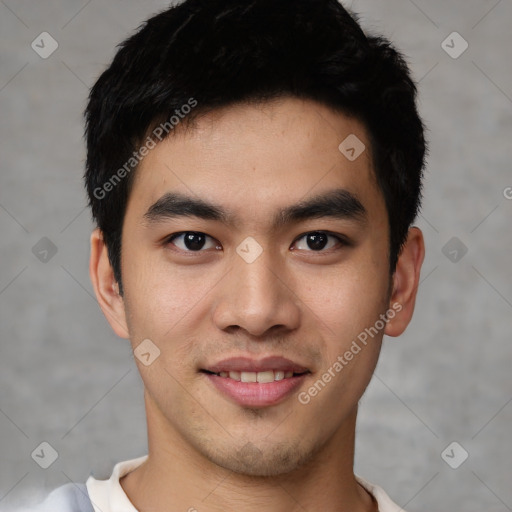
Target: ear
405,283
105,286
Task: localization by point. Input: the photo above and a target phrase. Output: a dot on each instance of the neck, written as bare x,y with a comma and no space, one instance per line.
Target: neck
176,476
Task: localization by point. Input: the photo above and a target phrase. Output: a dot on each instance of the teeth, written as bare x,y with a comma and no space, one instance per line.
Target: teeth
248,376
265,376
261,377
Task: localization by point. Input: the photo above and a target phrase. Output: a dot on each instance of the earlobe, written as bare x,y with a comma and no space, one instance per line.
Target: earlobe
105,285
405,282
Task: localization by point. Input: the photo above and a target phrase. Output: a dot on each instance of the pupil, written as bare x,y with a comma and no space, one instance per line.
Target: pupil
194,241
317,241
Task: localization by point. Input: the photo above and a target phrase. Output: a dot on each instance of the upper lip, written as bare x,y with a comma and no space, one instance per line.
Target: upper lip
246,364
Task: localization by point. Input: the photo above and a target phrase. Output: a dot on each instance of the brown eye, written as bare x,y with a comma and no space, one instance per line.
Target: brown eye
192,241
318,241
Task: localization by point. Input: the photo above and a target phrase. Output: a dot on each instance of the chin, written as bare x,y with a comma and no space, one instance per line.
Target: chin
273,460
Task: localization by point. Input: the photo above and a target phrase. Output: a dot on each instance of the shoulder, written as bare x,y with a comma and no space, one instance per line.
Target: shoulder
71,497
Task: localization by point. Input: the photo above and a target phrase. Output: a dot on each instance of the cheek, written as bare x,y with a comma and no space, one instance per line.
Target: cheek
348,299
163,300
347,306
350,329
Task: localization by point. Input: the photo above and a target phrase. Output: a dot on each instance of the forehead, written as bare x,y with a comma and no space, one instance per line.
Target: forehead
254,157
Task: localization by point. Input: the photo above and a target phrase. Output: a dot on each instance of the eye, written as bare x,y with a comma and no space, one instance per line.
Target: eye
318,240
193,241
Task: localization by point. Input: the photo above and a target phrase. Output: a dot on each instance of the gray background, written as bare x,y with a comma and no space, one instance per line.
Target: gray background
66,379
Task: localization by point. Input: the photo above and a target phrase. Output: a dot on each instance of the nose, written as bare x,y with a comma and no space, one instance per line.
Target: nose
257,297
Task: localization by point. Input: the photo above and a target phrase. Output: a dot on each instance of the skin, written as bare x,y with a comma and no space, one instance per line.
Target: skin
205,451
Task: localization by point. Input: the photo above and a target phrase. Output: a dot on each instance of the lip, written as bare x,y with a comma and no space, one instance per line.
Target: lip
246,364
256,394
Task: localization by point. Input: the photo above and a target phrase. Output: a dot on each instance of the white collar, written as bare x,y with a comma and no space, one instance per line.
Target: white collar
109,496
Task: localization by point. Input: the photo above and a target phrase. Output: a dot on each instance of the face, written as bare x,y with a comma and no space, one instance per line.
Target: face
255,250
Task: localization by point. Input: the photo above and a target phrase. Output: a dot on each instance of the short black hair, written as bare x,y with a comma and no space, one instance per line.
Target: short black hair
202,55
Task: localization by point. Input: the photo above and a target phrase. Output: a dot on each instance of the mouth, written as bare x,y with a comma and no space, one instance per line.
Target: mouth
263,377
251,383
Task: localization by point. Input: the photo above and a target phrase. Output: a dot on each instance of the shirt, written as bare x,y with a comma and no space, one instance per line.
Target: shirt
109,496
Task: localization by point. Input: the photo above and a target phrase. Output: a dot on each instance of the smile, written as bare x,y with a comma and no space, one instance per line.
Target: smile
256,383
260,377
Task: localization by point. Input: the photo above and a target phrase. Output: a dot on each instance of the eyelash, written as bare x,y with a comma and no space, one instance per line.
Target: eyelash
339,238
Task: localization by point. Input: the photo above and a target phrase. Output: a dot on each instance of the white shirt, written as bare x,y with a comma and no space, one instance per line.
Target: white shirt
109,496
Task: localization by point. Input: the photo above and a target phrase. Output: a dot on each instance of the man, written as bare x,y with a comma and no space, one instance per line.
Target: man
254,169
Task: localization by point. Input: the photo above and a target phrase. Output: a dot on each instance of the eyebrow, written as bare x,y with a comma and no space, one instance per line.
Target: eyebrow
337,204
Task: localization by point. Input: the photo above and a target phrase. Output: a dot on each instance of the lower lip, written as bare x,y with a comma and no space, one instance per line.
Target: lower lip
255,394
